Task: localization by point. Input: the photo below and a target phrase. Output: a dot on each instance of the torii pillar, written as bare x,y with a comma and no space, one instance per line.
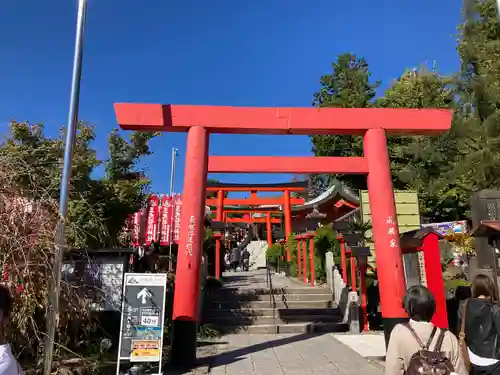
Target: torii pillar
190,251
287,213
372,123
219,216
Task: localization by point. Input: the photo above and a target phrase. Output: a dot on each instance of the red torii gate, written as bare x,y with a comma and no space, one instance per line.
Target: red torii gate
199,121
254,200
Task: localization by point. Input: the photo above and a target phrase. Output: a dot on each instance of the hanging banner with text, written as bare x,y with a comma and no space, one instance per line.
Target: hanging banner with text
166,220
136,228
159,221
152,221
177,217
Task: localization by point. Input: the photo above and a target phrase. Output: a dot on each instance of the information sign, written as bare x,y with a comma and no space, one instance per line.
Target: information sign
143,307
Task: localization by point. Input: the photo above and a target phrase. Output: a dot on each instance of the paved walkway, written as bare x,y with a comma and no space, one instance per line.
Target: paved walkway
292,354
302,354
368,345
257,280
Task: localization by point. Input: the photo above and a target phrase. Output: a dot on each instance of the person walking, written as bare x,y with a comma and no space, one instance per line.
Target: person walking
245,259
373,305
479,326
227,262
419,347
234,258
455,304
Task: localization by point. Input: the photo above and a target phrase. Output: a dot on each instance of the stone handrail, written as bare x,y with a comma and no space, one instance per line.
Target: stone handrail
338,287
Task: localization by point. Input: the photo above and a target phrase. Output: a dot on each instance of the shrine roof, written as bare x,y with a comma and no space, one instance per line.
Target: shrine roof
337,190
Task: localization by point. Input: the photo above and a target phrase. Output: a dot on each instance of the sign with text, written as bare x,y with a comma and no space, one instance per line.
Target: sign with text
143,310
152,221
177,217
166,220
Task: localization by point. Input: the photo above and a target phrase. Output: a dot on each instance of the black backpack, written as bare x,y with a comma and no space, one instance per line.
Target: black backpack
427,362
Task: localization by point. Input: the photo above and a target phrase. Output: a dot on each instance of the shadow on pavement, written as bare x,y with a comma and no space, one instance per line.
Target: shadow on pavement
236,355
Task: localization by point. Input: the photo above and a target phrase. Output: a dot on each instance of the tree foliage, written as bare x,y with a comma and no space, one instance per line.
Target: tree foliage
98,206
424,163
444,170
30,173
479,93
347,86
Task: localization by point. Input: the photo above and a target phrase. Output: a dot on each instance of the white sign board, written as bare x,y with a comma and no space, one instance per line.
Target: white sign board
142,320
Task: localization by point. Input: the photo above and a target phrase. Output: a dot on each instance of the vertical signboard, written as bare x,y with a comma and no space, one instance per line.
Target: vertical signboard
177,217
143,310
166,220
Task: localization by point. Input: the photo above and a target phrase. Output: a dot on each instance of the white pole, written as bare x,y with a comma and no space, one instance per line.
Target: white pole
498,8
170,229
60,238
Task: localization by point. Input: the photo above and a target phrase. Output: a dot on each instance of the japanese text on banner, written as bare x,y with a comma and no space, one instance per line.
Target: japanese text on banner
177,217
166,220
152,222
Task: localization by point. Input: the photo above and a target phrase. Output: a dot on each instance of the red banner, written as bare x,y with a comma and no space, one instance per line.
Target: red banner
136,228
177,199
166,220
152,221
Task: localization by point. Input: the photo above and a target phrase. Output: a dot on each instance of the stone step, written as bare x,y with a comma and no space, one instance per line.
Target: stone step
288,328
277,297
258,291
231,304
269,319
304,297
228,313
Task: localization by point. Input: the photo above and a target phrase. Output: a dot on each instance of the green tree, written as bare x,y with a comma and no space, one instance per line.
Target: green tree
98,207
479,96
425,163
467,159
347,86
30,170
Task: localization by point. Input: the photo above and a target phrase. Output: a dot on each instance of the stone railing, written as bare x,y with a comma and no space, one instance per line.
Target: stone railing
339,288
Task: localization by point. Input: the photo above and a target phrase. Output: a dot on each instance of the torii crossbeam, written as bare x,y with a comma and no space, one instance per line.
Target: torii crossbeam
373,124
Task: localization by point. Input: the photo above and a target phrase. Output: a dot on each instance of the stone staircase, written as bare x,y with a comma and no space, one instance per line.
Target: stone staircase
238,309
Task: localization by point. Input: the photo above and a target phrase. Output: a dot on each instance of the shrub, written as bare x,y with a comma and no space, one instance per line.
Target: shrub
273,254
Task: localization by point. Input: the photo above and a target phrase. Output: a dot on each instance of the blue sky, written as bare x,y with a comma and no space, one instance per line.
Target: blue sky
223,52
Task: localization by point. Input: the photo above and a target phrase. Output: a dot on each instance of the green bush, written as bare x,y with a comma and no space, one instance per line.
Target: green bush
326,240
273,254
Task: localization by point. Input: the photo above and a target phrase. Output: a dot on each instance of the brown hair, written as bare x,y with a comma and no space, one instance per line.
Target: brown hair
484,286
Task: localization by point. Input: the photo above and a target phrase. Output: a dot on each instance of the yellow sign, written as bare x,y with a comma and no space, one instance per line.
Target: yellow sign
145,351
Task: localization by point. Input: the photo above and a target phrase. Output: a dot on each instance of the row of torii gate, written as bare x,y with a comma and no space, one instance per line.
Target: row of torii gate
373,124
263,207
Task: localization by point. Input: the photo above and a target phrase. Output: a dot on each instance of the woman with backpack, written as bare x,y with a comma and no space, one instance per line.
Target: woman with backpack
479,327
418,347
